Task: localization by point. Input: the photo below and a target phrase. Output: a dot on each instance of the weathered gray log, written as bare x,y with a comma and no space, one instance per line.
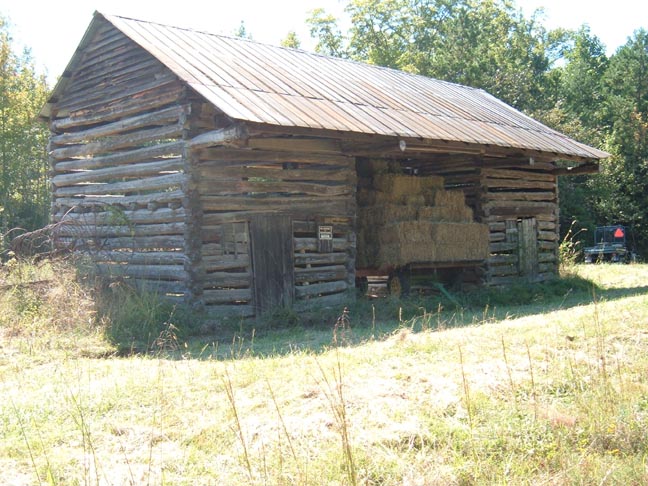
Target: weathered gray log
319,258
502,260
226,279
96,231
146,184
162,117
227,296
278,173
301,206
320,274
514,174
109,200
140,258
146,154
108,173
117,142
148,242
311,244
332,300
234,187
225,157
140,216
304,291
225,262
232,136
161,272
519,196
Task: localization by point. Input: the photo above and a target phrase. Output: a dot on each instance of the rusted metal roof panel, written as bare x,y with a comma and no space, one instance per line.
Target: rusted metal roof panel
273,85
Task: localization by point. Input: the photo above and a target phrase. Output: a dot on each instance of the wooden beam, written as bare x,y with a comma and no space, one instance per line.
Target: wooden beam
232,136
587,168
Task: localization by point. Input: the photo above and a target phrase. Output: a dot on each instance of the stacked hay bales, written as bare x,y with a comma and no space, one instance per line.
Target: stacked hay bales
405,219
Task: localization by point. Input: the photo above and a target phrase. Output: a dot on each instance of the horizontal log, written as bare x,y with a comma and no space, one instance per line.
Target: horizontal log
225,262
491,183
162,117
312,244
587,168
160,95
547,226
236,187
143,242
146,154
550,206
502,246
502,260
305,291
548,245
493,237
96,231
226,279
230,310
216,249
141,258
147,184
225,157
290,144
227,296
117,142
547,235
500,270
332,300
232,136
519,196
320,258
124,171
518,174
140,216
547,257
299,206
320,274
161,272
547,268
117,201
263,172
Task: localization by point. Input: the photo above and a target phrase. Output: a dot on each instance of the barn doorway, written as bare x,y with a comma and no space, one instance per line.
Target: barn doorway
272,262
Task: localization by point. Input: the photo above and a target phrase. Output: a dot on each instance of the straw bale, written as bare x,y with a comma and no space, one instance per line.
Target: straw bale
385,213
398,185
423,241
463,214
454,199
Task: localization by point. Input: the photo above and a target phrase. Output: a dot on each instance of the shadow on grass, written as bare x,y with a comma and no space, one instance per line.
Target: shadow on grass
176,333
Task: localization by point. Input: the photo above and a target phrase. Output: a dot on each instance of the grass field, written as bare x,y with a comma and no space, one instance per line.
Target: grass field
533,386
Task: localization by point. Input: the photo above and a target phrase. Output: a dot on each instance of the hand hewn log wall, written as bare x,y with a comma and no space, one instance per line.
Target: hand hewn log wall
118,165
307,179
502,193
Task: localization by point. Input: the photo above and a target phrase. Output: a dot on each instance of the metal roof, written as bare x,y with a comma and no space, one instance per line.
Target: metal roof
254,82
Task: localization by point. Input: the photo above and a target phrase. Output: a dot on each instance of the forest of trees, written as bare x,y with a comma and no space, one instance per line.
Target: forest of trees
560,77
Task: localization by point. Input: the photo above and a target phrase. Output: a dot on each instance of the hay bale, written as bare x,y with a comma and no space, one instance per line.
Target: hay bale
424,241
399,185
462,214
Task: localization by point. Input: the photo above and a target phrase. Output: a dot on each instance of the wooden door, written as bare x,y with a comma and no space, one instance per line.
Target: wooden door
528,248
272,262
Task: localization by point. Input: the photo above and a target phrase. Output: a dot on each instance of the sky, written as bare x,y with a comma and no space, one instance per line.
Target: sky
53,29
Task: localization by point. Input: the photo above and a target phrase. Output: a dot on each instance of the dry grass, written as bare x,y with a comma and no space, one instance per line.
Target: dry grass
555,397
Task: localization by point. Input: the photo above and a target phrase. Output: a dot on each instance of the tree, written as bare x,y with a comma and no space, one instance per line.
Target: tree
291,40
481,43
24,194
625,197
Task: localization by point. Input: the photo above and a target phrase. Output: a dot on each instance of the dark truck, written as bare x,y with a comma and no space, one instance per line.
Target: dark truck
610,245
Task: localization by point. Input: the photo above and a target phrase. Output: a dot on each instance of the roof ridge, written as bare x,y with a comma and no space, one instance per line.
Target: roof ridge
298,50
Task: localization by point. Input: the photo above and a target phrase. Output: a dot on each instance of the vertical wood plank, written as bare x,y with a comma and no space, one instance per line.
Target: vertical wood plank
272,260
528,248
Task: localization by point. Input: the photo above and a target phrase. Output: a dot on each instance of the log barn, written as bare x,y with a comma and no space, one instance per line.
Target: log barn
239,176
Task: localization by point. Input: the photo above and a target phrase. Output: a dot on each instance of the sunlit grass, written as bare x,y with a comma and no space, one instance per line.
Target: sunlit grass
555,393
